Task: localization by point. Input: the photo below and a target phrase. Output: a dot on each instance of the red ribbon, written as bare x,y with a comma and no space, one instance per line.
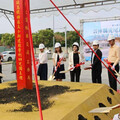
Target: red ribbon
109,63
78,65
58,64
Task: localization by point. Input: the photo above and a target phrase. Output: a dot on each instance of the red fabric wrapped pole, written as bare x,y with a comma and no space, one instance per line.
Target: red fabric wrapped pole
33,59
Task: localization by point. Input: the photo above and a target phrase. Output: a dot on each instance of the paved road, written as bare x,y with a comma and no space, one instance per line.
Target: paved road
85,75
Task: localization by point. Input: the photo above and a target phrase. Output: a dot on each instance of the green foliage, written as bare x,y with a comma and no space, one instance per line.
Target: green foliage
35,39
8,39
60,37
43,36
72,37
0,36
46,37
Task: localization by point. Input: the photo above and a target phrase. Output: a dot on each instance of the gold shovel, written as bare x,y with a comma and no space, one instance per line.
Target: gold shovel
78,65
52,77
104,109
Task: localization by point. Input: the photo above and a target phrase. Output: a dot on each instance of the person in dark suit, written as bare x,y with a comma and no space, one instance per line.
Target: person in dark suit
96,63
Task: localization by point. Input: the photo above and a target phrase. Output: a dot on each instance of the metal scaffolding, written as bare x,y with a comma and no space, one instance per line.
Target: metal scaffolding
6,11
67,7
76,6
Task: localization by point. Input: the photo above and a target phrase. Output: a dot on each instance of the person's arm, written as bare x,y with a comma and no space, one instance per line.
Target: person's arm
118,56
99,53
54,62
70,61
53,57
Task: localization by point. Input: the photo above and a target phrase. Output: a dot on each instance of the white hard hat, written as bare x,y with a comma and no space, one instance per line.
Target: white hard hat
111,37
95,42
76,44
57,45
41,46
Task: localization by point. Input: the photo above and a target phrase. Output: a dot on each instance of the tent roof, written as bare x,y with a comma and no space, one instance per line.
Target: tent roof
38,6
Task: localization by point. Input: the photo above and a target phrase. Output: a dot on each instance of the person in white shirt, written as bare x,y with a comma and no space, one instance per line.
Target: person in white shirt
56,57
43,67
74,59
117,117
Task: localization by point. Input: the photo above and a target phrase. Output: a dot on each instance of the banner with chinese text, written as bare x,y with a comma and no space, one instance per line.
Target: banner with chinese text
22,43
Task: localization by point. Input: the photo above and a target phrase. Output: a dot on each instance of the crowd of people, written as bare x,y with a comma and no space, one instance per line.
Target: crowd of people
75,57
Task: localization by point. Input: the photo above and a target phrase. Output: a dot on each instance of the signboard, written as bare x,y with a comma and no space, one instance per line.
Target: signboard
100,30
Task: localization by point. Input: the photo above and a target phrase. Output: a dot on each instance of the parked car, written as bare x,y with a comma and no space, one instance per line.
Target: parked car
8,55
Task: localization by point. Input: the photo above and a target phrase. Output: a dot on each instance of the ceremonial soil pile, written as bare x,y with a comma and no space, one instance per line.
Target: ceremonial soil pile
28,97
60,101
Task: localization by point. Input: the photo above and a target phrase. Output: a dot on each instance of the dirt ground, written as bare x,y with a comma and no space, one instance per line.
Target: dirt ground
58,99
28,97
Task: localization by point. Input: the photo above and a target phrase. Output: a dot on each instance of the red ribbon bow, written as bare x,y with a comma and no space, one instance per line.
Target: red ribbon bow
58,64
78,65
109,63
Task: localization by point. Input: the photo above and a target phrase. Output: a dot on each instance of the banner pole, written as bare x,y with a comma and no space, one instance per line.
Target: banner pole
34,65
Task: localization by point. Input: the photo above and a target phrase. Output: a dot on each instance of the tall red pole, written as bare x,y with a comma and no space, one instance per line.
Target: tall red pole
83,39
33,59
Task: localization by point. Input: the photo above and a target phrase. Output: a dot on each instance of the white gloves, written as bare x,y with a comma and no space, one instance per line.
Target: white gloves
113,67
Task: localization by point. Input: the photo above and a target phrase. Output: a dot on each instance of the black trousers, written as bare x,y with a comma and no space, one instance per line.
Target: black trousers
112,80
75,73
0,72
96,75
43,71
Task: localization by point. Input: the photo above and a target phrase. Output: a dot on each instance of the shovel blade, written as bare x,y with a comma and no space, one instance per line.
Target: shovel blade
51,78
101,110
63,71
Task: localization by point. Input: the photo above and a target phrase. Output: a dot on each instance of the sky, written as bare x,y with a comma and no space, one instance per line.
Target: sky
44,22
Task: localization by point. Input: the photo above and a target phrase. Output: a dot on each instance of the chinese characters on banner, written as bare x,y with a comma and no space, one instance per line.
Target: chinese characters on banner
23,52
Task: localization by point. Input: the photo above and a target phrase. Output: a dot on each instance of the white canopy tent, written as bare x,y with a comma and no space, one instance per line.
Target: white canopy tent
83,9
42,6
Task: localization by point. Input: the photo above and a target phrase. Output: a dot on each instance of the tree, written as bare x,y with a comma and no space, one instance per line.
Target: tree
45,37
60,37
0,38
72,37
35,39
8,39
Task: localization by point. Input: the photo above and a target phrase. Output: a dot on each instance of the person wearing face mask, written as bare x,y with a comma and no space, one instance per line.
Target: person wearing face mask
43,67
74,59
96,63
